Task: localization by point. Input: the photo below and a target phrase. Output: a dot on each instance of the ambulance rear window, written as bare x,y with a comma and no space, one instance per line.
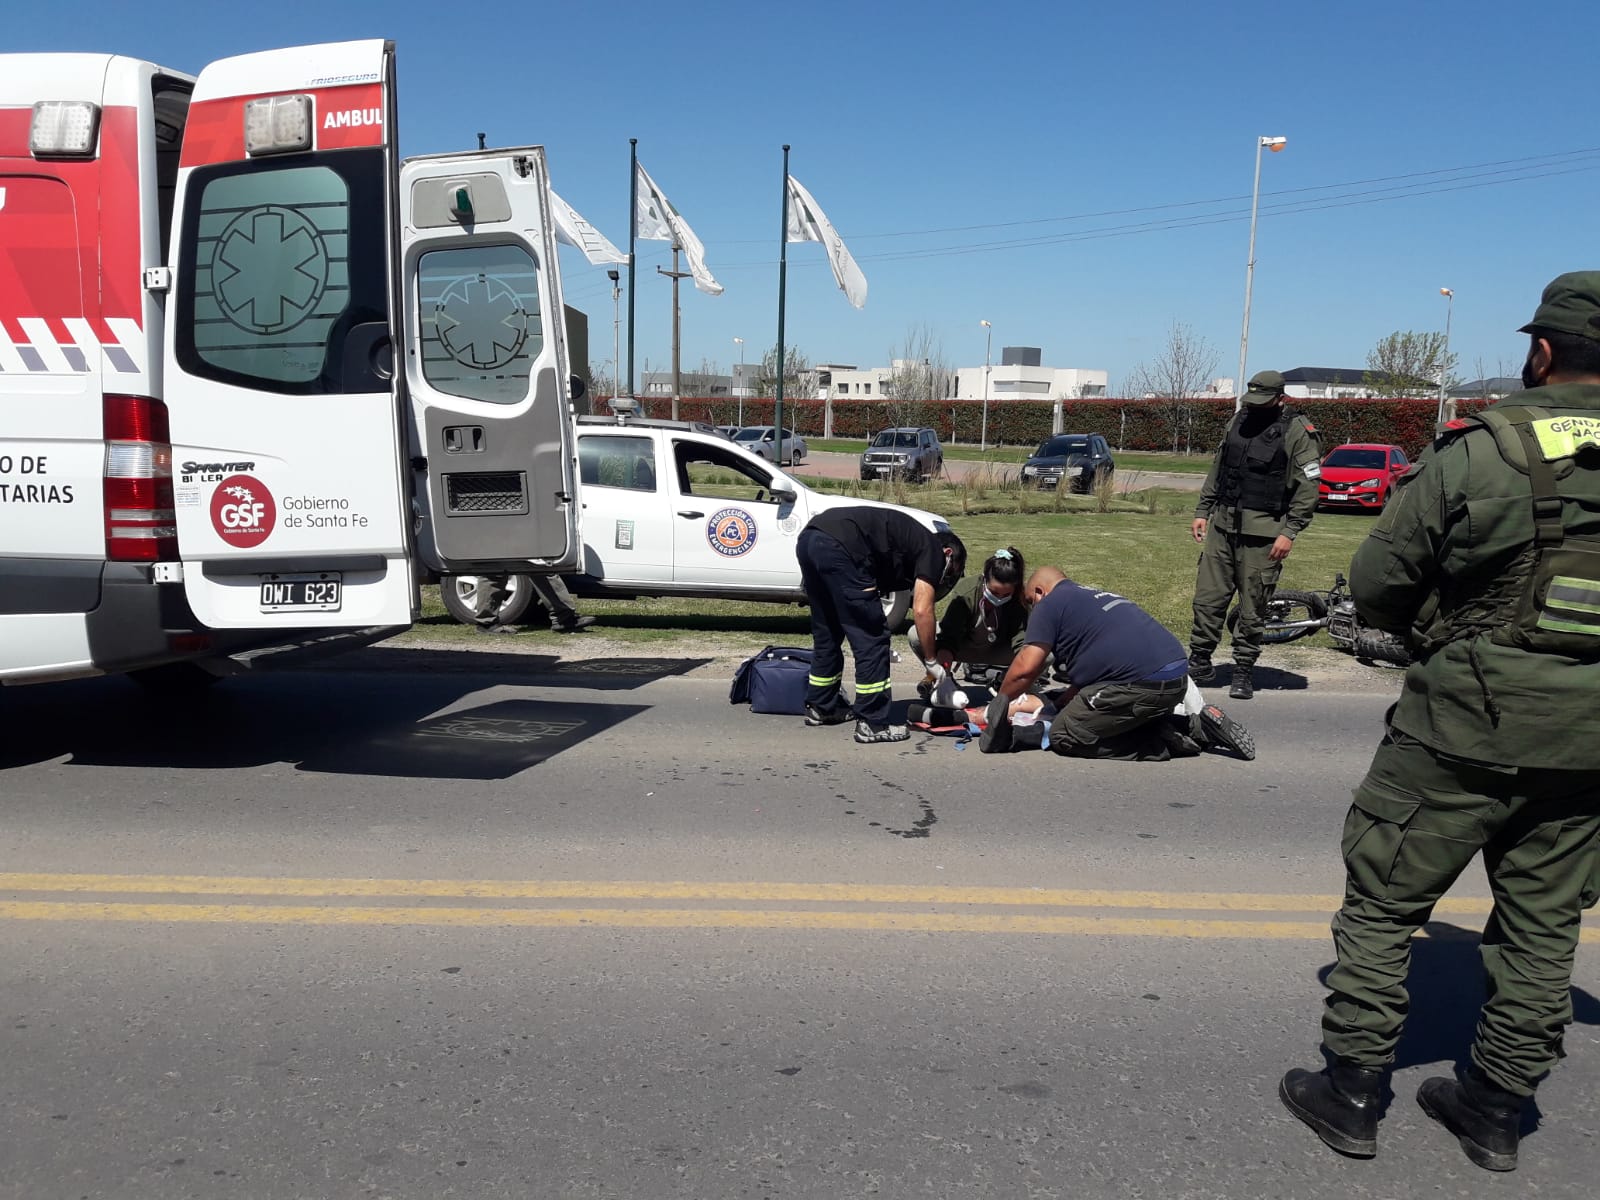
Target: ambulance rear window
281,261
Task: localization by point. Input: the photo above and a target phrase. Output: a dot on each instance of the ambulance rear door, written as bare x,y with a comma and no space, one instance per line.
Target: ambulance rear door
486,365
289,472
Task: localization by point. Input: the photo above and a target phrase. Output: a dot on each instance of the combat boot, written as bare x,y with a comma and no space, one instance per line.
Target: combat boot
1486,1121
1340,1104
1200,668
1242,687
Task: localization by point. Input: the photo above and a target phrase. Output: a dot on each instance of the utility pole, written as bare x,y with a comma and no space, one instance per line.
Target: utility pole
616,329
677,329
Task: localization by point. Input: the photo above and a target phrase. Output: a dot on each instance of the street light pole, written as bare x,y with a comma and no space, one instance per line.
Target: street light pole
616,328
1444,361
739,342
988,345
1274,144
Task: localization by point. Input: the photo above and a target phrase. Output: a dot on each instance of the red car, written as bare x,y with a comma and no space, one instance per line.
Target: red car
1360,475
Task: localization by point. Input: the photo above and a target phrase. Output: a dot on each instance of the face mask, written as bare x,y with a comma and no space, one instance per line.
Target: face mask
997,601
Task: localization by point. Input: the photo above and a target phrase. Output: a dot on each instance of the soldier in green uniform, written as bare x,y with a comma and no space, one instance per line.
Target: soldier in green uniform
1490,559
1260,493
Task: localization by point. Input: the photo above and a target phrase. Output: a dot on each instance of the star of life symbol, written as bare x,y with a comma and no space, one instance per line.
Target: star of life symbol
269,270
482,322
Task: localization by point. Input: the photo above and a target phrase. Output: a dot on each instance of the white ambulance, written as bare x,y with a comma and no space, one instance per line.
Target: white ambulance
259,378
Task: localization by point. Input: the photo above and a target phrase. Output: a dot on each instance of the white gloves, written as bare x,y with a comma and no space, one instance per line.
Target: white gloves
945,692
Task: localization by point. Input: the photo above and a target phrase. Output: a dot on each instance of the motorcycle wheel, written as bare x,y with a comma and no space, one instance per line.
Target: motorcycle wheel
1289,607
1374,645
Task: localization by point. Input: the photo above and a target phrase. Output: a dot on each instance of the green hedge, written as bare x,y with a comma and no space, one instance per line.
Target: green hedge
1127,424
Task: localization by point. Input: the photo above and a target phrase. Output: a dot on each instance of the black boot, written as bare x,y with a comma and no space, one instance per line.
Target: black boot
1200,668
1340,1104
1242,688
1485,1120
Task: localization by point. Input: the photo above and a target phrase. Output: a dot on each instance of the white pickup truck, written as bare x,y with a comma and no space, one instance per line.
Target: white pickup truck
672,508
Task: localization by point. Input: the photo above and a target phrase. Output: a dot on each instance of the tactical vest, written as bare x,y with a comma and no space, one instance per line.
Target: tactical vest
1547,600
1255,470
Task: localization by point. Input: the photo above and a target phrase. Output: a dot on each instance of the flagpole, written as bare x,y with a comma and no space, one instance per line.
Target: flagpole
633,232
783,280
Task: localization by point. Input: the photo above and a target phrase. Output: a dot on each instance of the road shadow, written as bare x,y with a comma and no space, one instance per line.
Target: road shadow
1266,679
531,670
1446,986
351,723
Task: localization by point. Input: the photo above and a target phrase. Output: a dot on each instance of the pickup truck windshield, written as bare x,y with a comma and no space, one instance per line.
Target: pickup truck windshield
1056,447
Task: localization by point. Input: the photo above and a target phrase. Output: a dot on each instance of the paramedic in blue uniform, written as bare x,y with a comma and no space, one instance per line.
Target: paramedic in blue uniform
1127,673
848,556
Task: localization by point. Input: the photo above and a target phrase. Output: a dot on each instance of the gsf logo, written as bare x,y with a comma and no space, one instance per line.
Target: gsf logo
243,511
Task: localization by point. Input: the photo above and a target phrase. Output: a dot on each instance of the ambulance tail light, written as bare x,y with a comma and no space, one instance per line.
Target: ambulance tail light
141,518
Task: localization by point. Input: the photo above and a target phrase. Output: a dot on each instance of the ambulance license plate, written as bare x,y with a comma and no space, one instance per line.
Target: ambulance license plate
322,592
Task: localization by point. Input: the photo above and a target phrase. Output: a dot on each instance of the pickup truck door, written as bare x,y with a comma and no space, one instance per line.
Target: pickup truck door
729,531
292,496
627,506
486,366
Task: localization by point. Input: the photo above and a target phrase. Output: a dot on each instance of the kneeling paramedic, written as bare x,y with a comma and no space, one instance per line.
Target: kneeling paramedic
984,624
1128,674
847,557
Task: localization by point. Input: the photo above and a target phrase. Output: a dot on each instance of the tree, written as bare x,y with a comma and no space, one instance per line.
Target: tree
799,380
921,373
1180,373
1409,363
704,381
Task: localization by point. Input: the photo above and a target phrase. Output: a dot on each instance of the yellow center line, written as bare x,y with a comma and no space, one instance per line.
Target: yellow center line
510,889
665,918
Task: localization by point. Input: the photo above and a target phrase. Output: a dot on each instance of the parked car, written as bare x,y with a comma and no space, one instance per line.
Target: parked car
1360,475
672,508
758,440
1081,461
728,431
912,452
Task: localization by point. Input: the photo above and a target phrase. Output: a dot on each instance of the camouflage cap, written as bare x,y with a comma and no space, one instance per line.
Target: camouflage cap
1266,387
1570,304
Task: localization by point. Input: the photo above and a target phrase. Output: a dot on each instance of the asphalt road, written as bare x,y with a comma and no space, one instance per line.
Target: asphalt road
494,926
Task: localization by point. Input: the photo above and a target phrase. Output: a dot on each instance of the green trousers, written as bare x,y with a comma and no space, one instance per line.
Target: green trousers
1233,564
1417,821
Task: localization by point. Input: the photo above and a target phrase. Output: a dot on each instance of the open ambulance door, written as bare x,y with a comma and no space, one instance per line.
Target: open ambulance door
290,479
486,365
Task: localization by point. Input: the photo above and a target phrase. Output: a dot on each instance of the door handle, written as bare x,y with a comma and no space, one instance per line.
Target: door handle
690,513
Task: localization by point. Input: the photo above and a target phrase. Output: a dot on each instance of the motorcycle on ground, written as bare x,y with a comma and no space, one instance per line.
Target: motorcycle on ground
1295,614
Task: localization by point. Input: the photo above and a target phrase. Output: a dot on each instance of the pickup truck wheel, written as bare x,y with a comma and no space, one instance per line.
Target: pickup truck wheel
896,607
487,599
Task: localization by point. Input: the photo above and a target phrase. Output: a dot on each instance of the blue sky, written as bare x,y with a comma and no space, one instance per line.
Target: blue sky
1018,119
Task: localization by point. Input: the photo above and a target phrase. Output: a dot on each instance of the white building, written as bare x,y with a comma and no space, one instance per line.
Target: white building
1017,376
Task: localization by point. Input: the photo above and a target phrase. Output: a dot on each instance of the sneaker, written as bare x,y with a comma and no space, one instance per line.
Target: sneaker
573,625
1200,669
837,715
867,732
1242,687
1222,730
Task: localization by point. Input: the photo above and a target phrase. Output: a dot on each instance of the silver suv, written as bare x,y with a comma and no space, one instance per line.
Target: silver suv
913,453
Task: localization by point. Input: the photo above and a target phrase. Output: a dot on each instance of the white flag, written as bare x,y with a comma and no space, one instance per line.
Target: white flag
655,220
572,229
808,223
